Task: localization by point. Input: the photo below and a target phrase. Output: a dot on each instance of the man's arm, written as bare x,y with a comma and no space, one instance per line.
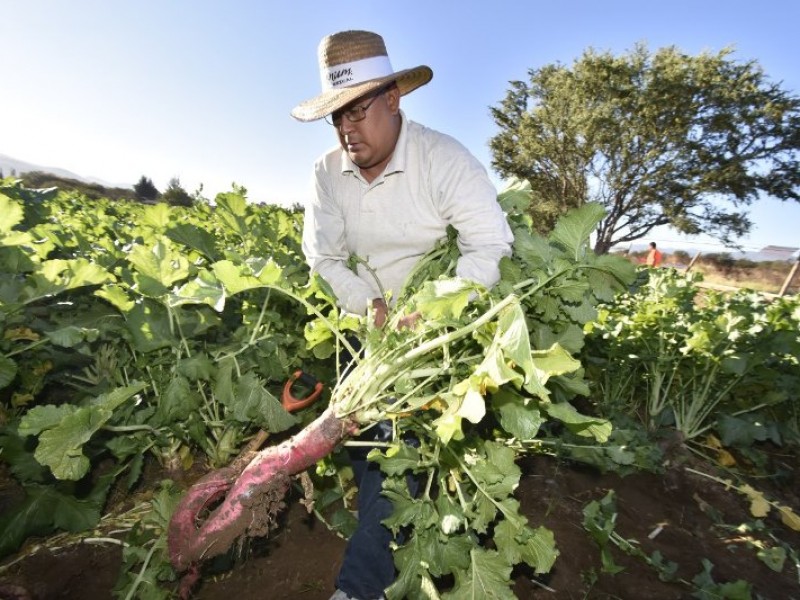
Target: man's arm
469,203
325,248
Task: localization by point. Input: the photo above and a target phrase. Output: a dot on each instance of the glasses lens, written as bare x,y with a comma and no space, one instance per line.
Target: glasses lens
357,113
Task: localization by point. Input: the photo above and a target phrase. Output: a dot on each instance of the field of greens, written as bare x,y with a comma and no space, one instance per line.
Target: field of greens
149,338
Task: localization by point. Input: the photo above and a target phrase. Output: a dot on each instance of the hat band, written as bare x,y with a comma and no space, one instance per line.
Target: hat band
358,71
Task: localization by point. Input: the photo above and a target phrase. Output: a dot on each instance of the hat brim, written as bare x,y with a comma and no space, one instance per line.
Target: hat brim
332,100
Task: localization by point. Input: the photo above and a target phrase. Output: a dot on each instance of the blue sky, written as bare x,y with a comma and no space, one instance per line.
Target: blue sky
202,90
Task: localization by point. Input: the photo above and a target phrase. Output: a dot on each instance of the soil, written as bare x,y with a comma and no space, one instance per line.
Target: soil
687,518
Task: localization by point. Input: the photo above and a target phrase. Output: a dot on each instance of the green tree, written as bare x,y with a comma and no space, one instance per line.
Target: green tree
658,139
175,194
145,190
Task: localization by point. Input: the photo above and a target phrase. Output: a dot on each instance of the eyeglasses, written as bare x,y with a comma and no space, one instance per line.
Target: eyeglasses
354,114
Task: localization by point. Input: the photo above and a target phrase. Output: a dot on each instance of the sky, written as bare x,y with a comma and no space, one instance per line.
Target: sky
201,90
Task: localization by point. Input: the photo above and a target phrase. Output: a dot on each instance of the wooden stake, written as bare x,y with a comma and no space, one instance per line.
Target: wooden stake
789,278
691,262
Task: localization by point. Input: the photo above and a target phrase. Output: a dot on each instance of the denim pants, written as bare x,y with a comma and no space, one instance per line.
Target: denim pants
368,565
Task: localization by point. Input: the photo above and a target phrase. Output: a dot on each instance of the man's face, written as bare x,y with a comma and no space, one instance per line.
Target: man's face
370,142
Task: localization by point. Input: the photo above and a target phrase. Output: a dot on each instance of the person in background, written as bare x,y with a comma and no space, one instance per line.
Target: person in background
387,193
654,256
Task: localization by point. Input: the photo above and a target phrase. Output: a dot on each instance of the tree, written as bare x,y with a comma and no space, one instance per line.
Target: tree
658,139
176,195
145,190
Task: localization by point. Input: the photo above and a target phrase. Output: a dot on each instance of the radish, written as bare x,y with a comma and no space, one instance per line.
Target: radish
252,498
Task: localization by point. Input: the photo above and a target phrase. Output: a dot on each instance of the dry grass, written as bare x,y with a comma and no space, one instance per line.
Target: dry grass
768,276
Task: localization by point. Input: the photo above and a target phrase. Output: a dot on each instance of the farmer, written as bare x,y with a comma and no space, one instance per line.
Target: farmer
654,256
387,193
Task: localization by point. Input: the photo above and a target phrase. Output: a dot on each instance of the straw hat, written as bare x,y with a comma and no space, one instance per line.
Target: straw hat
352,64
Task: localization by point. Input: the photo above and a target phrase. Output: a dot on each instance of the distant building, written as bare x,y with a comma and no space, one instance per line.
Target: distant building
778,253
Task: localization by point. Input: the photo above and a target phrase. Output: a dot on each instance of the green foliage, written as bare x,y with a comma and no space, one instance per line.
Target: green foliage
479,381
659,355
128,329
659,138
599,520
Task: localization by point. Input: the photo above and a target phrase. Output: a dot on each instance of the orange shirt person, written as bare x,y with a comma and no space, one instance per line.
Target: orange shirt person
654,256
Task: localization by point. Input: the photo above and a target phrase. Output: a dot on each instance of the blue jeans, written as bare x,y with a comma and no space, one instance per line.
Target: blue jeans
368,565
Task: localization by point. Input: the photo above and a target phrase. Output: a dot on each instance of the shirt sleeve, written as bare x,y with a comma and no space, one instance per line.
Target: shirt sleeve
468,201
325,249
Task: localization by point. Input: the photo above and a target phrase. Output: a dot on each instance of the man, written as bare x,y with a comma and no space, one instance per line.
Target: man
387,194
654,256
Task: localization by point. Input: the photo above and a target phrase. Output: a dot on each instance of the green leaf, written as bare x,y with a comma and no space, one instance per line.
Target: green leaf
177,402
8,371
533,250
610,274
411,569
518,416
13,448
445,298
510,349
517,543
742,431
488,577
117,296
57,275
572,231
40,418
194,237
43,509
12,213
158,216
253,403
708,589
70,336
197,366
599,518
204,289
76,515
427,553
235,278
497,473
545,364
231,208
61,447
599,429
774,557
516,196
157,267
149,325
397,459
407,510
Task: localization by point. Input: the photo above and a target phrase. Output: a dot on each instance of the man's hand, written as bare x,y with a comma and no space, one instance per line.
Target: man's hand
380,311
409,320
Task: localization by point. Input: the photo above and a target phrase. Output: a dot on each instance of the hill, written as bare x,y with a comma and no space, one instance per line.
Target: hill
37,176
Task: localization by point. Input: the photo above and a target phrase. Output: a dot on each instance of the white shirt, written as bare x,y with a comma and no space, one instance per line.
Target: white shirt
430,182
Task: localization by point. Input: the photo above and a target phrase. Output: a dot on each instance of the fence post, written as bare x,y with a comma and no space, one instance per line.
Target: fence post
789,277
691,262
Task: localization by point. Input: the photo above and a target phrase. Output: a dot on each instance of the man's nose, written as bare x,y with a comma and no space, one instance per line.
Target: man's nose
346,126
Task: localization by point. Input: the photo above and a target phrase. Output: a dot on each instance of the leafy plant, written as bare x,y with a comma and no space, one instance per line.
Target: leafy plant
659,354
599,519
130,329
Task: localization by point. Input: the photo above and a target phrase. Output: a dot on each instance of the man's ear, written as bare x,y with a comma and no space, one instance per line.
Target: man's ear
393,100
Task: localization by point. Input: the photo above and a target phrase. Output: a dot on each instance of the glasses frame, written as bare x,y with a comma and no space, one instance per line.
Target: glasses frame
356,113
